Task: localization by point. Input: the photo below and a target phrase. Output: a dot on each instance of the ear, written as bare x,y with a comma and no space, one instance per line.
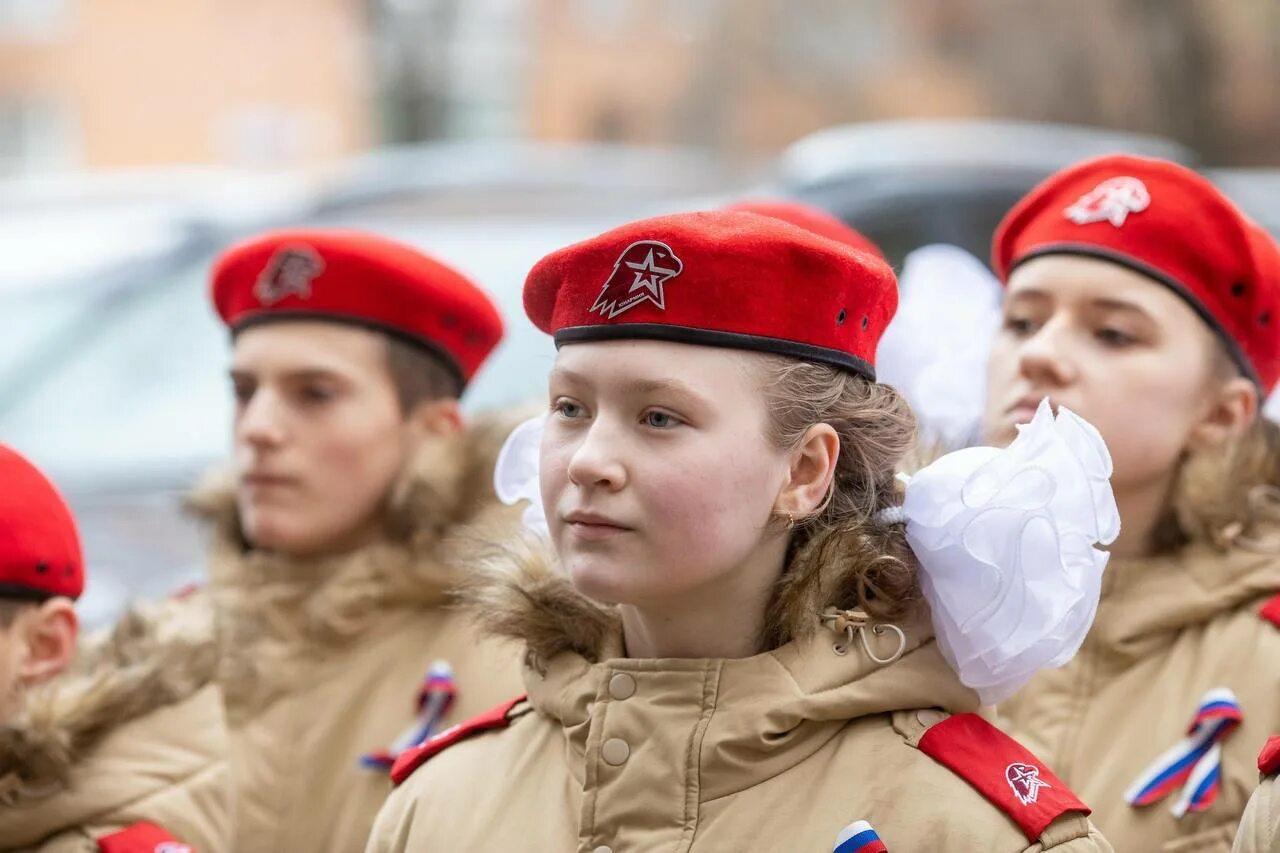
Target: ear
436,418
1231,410
813,467
49,634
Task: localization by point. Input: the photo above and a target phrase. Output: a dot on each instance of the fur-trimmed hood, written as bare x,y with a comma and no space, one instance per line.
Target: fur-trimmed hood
519,593
157,656
273,609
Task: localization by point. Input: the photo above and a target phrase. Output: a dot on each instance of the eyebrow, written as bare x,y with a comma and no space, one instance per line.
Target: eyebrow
302,375
632,386
1103,302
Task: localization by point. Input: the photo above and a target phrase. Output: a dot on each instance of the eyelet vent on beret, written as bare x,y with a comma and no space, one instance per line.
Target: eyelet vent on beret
866,321
1238,289
42,568
841,317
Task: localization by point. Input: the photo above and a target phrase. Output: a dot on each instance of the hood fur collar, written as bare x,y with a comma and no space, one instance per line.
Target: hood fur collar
519,593
155,656
274,610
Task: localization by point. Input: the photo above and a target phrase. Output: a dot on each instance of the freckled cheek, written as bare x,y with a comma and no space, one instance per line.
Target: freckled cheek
707,505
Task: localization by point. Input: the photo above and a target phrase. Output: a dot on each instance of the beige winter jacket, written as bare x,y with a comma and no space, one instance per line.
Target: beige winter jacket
134,732
1260,825
1168,630
323,658
777,752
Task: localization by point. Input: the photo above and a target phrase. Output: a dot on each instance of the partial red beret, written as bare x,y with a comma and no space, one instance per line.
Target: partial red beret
809,217
352,277
40,552
1170,224
718,278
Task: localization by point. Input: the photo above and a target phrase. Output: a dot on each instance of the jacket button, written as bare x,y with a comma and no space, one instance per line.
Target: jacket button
622,686
615,751
930,717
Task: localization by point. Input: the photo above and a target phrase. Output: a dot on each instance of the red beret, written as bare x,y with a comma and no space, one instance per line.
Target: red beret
719,278
39,548
809,217
1169,223
358,278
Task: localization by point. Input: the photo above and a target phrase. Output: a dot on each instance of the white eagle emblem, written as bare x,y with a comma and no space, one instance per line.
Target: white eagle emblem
639,275
1110,201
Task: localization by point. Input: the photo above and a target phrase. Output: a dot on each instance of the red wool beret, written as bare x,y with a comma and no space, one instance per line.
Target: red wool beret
1170,224
718,278
811,218
352,277
40,552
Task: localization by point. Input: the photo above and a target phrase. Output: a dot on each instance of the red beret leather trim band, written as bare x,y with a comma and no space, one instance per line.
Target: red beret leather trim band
1181,290
432,348
712,338
24,593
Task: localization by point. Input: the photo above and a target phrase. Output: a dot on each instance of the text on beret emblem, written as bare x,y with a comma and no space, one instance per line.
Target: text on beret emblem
639,275
289,273
1025,781
1110,201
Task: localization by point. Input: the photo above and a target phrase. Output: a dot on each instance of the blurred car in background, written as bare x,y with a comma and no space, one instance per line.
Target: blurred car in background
114,379
907,184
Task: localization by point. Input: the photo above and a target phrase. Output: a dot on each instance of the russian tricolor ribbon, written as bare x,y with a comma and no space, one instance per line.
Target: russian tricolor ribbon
859,837
1195,763
434,698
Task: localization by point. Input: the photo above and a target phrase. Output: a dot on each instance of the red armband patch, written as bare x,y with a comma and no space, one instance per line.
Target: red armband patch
1269,758
413,758
1002,770
1271,611
142,838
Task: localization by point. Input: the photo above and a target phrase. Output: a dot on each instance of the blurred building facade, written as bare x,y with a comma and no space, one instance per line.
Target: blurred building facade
96,83
89,83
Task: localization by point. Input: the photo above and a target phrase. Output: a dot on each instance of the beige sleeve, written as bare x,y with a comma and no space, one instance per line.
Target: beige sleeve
1260,825
1071,833
393,828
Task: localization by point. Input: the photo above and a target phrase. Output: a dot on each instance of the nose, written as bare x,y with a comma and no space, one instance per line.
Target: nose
597,460
260,423
1044,357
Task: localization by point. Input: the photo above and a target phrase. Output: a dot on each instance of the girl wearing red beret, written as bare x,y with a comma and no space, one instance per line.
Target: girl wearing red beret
1140,297
725,644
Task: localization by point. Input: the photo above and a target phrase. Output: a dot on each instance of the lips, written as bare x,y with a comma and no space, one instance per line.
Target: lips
264,480
593,526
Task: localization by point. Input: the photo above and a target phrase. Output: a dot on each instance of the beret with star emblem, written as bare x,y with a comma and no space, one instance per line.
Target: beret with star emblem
362,279
718,278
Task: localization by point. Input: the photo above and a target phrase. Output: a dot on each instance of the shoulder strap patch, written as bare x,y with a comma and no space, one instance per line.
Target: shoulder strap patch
414,757
1002,770
1269,758
1271,611
142,838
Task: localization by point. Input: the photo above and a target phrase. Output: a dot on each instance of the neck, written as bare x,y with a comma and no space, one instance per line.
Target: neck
724,619
1141,508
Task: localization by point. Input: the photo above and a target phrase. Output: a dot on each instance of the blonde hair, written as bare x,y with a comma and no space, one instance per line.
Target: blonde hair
1227,495
843,555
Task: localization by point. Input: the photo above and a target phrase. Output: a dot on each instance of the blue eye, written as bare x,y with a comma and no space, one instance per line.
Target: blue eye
659,420
567,409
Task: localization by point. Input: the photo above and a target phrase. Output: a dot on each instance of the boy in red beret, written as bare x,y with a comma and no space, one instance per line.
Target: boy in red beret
119,746
1140,297
329,574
